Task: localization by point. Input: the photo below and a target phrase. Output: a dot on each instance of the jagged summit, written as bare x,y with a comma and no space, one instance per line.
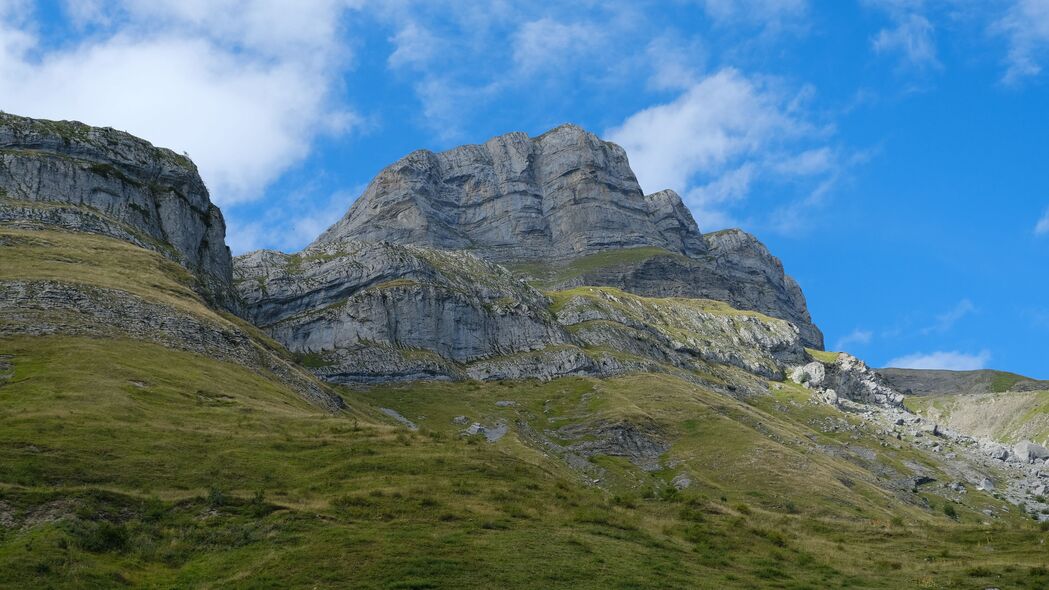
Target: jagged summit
560,195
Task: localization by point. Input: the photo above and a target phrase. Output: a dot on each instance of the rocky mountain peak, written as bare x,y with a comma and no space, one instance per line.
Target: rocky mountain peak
559,195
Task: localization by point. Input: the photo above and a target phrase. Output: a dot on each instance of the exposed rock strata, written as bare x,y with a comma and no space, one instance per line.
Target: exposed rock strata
560,195
847,378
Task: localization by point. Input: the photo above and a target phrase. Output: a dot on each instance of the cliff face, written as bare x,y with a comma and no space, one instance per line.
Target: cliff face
426,310
98,180
568,200
557,196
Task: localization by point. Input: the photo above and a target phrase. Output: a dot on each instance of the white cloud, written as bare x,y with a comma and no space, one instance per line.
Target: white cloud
949,361
242,86
718,137
855,337
913,38
720,118
1026,25
1042,227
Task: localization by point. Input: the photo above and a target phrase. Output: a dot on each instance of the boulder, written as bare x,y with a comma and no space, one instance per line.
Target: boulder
1029,452
810,375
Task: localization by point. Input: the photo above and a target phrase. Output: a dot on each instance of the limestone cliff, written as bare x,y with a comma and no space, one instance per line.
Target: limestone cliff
99,180
565,200
557,196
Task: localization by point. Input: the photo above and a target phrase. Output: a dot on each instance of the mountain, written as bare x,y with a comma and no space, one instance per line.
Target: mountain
107,236
372,413
417,268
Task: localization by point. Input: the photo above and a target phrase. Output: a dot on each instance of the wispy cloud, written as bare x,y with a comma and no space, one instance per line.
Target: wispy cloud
853,338
1026,26
1042,227
946,320
950,361
912,38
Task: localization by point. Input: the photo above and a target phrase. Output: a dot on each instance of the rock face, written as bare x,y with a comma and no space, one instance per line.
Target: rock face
567,199
69,175
679,332
426,308
557,196
736,268
362,312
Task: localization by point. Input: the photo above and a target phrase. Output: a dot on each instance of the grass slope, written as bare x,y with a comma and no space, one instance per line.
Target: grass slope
128,464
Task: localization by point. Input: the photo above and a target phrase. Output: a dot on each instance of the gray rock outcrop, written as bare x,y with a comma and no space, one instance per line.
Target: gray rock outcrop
736,268
1029,452
430,309
73,176
557,196
847,378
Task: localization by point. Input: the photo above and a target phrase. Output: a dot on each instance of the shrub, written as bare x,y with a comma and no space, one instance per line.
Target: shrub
100,537
215,498
949,510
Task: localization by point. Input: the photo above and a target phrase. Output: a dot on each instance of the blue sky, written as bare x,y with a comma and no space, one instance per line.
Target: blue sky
892,152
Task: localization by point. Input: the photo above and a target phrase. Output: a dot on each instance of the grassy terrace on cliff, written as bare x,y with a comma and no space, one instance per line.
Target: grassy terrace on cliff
546,275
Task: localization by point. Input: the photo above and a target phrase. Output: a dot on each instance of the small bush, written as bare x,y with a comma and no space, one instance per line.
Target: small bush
742,508
979,572
101,537
669,494
216,498
950,511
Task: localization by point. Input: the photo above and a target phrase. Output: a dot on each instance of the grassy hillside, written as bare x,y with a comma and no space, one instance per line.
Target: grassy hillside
124,463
